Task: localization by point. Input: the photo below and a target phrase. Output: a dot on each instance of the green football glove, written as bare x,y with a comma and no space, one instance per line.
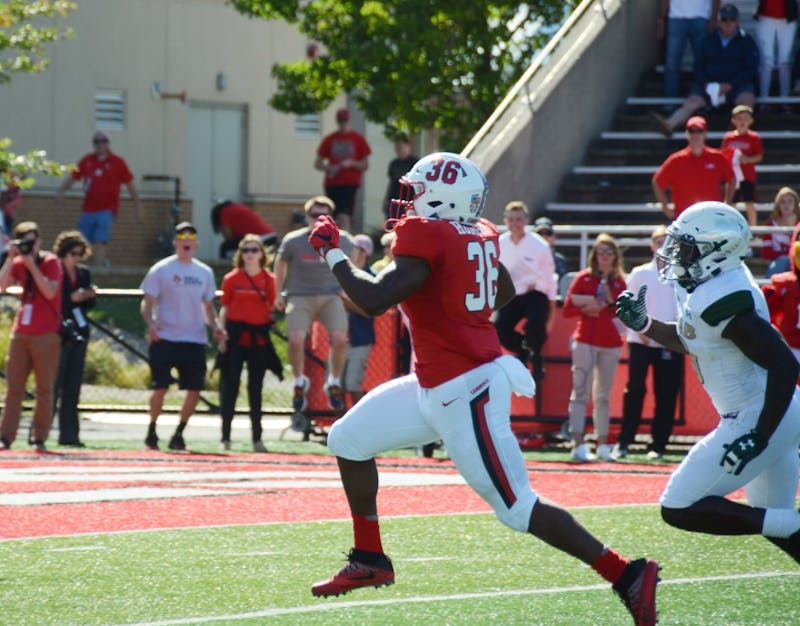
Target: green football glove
741,451
633,312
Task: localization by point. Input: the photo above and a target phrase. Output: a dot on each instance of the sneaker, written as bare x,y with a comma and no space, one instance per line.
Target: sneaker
258,446
604,451
357,573
39,447
637,589
655,456
299,402
151,441
177,442
581,454
335,397
224,445
5,444
619,452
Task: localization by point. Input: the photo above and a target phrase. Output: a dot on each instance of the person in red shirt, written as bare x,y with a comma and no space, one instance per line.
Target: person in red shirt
103,174
743,147
783,298
447,278
343,156
233,221
694,173
596,344
35,341
248,296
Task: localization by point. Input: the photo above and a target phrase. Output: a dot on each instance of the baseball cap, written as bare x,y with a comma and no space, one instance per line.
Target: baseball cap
364,242
742,108
543,223
729,12
342,115
696,121
185,226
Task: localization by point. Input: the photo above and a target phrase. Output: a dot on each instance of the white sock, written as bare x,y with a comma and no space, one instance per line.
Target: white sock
300,381
780,523
334,381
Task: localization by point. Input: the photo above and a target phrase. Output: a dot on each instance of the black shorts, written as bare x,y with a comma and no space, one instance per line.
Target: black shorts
344,198
188,358
746,192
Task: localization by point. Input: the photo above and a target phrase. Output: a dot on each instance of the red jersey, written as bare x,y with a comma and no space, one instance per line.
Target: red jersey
750,144
102,179
337,147
36,315
597,331
449,316
774,244
244,303
783,299
694,178
243,220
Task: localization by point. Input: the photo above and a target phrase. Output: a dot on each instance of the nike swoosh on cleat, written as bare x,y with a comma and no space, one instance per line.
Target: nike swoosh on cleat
449,403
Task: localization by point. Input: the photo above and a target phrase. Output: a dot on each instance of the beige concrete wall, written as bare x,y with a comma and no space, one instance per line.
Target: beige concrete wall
181,44
572,100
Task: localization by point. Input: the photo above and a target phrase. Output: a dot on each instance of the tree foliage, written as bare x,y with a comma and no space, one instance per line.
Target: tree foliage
26,27
410,64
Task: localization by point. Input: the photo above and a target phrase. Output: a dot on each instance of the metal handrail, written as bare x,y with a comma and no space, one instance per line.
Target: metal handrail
539,61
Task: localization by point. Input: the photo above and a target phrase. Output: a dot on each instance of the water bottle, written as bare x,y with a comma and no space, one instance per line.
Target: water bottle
601,291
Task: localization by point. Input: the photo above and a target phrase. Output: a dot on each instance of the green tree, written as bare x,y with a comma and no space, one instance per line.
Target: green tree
26,27
410,64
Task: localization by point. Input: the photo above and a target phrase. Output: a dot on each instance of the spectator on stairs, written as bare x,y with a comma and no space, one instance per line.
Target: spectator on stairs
743,146
682,22
776,246
694,173
776,26
725,71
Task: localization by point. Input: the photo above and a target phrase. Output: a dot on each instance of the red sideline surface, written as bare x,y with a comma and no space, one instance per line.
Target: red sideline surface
254,489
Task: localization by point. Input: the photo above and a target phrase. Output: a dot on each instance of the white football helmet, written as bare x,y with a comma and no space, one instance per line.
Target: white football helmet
442,185
705,240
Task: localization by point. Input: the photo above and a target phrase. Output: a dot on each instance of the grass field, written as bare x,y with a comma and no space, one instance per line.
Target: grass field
464,569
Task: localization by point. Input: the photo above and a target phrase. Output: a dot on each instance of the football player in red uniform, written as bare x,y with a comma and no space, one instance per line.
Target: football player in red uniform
447,278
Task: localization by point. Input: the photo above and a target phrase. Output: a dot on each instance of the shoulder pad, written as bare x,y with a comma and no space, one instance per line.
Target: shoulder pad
728,306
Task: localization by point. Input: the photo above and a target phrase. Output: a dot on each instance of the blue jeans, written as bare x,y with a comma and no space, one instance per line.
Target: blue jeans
679,31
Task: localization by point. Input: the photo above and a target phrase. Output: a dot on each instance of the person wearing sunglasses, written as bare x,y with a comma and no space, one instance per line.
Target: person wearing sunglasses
177,305
694,173
77,298
307,290
103,173
725,71
248,297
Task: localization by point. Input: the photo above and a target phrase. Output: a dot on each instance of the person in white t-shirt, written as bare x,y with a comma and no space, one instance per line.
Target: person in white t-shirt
530,263
177,305
645,353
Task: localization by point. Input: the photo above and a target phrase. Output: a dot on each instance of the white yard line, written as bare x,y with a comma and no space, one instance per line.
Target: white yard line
321,605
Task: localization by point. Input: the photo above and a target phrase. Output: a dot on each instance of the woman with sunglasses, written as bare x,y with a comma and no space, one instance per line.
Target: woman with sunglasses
596,344
248,297
77,297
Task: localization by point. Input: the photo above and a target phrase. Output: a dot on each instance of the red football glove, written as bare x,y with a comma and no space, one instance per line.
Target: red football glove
324,236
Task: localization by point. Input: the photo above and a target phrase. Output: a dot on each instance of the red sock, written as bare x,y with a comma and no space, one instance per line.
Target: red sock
367,533
610,565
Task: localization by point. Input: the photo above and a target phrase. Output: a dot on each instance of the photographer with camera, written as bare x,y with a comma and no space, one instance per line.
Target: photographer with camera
77,297
35,342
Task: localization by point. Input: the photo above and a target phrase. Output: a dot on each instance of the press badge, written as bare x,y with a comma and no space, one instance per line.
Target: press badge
27,314
77,315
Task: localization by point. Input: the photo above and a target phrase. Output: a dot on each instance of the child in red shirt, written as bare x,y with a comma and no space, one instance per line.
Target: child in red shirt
750,151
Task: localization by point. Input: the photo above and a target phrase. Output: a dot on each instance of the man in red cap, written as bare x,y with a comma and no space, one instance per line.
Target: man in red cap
694,173
343,155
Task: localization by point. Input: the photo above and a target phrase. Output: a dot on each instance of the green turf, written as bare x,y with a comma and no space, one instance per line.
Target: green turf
450,570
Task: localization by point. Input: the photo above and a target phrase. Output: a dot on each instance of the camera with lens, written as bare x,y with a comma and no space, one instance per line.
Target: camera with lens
24,246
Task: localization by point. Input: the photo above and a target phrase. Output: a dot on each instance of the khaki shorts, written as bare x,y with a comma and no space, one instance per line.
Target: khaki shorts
328,309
